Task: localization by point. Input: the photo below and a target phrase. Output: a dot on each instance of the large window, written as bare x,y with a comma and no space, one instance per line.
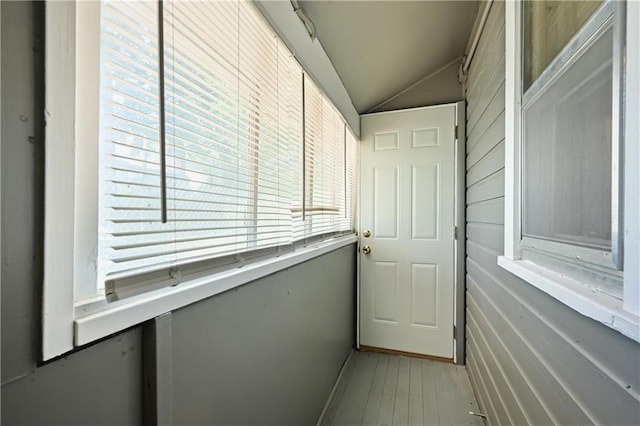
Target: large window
201,147
567,147
565,191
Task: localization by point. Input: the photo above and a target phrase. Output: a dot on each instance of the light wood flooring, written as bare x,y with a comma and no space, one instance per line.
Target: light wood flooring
381,389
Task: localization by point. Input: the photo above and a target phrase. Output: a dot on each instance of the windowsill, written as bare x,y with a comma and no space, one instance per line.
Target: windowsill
586,300
129,312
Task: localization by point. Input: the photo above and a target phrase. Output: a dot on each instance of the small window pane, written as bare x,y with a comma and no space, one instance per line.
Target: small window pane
548,27
567,153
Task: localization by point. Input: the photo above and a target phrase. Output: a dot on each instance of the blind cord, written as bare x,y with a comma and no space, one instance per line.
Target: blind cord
163,132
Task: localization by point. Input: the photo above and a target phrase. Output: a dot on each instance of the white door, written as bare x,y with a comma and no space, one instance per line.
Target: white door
407,207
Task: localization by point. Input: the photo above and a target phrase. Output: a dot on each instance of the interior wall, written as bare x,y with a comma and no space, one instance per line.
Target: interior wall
441,87
531,359
100,384
267,352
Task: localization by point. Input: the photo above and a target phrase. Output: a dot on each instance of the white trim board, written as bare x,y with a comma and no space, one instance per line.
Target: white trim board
137,309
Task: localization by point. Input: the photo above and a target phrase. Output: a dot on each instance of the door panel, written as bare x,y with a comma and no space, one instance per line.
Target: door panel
385,193
424,202
407,203
385,287
424,294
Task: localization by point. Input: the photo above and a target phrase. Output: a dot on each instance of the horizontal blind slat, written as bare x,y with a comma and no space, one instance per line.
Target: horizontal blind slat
234,138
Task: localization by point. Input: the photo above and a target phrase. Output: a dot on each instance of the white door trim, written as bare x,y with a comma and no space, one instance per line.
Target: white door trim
460,207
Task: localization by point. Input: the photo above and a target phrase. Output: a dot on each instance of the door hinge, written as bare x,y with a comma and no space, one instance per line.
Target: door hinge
454,332
455,132
455,232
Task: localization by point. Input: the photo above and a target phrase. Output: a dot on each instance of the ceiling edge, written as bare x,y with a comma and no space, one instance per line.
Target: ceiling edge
311,55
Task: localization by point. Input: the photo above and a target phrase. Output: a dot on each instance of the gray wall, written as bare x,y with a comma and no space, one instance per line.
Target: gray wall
267,352
441,87
531,359
101,384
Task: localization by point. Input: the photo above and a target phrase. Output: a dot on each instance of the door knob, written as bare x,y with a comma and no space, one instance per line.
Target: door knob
366,249
366,233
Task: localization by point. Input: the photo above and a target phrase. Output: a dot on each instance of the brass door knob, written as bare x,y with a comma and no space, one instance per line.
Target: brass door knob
366,233
366,249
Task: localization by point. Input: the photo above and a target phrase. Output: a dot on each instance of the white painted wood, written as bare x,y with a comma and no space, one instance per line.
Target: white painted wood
0,141
87,115
57,313
512,130
126,313
407,201
632,155
588,301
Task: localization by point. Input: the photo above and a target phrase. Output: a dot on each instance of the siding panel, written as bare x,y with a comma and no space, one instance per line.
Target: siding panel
490,163
530,358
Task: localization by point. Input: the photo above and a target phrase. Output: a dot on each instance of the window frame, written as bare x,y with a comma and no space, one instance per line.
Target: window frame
618,313
72,114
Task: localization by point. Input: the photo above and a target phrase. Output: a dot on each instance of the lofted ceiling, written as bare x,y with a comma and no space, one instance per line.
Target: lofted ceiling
380,48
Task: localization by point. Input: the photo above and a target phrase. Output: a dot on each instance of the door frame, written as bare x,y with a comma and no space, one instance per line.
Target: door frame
459,244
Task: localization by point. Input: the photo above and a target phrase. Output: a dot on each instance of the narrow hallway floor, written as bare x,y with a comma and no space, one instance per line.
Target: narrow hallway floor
381,389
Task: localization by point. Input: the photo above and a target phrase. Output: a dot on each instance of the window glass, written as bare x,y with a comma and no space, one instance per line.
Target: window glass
548,27
567,153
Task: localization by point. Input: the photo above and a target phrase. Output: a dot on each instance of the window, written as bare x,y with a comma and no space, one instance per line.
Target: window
567,173
565,183
188,163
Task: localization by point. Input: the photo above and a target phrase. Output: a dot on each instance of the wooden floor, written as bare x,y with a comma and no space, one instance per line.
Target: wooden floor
381,389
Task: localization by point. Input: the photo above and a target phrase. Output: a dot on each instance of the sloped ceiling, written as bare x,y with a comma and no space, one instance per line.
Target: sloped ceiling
379,48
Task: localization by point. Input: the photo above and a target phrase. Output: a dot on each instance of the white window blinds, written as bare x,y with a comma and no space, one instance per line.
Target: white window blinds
324,164
234,139
352,166
129,231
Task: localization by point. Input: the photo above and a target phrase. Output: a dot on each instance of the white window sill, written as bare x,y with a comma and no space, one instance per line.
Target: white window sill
129,312
578,296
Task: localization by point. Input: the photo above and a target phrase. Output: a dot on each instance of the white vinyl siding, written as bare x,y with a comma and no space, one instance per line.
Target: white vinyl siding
531,359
